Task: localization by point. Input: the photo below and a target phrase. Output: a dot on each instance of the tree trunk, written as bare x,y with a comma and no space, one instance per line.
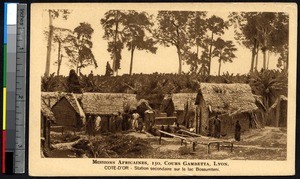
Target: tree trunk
179,60
210,50
59,64
77,67
268,60
58,57
253,57
115,72
256,61
264,50
50,36
131,60
219,72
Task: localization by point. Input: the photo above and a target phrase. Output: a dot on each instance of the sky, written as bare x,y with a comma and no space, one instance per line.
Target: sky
164,61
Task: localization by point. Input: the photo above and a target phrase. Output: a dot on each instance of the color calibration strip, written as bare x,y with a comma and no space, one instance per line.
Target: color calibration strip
9,86
4,92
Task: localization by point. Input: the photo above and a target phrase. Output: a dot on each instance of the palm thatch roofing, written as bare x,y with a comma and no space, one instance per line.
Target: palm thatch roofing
279,99
72,99
227,98
107,103
180,100
259,102
46,111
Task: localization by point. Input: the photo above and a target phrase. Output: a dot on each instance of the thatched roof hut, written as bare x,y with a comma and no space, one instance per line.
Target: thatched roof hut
227,98
180,100
68,111
46,112
107,103
278,112
231,102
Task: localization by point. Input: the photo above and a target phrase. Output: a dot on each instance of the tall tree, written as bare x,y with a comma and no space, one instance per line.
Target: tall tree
224,51
173,31
108,70
137,28
79,52
197,32
61,38
216,26
112,24
265,30
53,14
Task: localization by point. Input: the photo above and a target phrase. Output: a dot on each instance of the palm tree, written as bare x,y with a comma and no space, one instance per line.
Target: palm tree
270,84
224,50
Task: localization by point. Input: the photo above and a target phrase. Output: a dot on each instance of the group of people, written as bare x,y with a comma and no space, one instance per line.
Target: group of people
116,123
216,132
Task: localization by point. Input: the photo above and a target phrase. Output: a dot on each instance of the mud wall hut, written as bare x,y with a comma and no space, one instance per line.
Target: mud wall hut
231,102
184,104
106,105
47,117
68,112
278,112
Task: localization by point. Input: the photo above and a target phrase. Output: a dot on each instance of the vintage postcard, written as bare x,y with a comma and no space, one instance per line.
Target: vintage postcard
162,89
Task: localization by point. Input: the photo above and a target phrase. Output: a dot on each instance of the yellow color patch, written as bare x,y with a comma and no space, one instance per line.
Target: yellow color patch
4,109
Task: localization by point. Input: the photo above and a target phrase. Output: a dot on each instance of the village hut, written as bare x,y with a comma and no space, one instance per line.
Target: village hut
231,102
51,98
167,106
278,112
107,105
260,114
184,105
47,118
68,112
142,106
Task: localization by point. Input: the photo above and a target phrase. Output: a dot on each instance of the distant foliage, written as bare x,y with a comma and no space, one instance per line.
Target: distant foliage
73,84
151,87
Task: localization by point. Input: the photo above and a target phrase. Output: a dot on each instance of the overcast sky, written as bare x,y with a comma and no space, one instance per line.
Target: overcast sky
164,61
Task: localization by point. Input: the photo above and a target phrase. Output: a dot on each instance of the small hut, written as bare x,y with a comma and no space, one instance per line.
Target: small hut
167,106
47,117
68,112
231,102
184,104
260,114
106,105
278,112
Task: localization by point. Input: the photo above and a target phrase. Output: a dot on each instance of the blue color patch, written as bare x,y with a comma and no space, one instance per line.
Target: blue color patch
5,23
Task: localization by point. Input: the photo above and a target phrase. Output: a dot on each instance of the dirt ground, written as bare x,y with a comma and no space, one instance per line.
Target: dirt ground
268,143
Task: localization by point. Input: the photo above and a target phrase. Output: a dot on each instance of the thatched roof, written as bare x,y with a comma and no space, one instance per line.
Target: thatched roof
279,99
182,99
259,102
106,103
72,99
227,98
46,111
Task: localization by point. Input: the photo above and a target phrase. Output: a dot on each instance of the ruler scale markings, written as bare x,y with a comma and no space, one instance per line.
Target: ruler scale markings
19,161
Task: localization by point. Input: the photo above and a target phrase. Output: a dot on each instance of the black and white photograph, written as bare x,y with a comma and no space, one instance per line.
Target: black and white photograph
204,86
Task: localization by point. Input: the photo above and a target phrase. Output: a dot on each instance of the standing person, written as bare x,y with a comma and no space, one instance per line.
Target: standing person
119,121
113,122
125,121
251,120
135,117
88,125
98,124
217,127
140,124
237,134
